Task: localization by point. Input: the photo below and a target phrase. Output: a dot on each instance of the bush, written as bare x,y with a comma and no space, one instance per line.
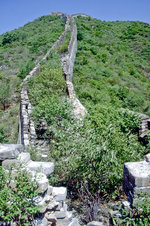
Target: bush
3,135
4,92
17,202
25,68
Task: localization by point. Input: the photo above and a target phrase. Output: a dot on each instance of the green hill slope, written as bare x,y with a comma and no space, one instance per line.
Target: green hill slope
112,64
110,72
20,50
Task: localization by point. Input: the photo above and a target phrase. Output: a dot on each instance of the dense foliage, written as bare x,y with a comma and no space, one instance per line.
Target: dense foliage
91,152
17,193
110,72
20,50
112,64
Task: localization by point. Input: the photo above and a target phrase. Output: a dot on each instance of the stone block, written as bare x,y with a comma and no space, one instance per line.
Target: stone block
49,190
10,163
59,193
44,167
60,214
51,217
74,222
95,223
138,190
26,142
147,157
10,151
24,157
52,205
42,182
137,173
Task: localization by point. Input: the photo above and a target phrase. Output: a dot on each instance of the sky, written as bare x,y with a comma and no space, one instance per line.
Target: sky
16,13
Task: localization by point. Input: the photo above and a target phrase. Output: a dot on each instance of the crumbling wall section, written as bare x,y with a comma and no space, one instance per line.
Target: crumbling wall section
67,62
27,133
136,176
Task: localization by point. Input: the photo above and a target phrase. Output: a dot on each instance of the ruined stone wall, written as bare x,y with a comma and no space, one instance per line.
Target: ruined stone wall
51,199
67,62
144,122
27,134
136,176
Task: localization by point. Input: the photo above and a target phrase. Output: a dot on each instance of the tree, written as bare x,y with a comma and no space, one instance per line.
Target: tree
4,92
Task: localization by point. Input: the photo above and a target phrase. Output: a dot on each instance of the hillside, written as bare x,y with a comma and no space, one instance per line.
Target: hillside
110,71
20,50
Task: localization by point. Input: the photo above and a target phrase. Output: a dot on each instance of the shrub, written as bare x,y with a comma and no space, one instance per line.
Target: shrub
4,92
17,202
25,68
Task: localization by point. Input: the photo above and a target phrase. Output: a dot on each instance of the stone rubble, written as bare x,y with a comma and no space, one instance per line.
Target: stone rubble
51,199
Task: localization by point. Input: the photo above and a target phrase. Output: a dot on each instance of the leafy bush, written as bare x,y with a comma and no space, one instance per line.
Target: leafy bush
25,68
138,215
4,92
3,135
64,47
17,202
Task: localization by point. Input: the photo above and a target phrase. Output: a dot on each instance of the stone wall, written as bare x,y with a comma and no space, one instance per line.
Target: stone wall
136,176
67,62
144,122
27,133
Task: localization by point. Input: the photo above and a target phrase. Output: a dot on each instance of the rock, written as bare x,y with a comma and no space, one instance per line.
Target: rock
41,222
74,222
126,204
49,190
10,151
60,214
52,205
10,163
42,182
24,157
47,198
147,157
95,223
59,193
51,217
69,215
136,174
43,167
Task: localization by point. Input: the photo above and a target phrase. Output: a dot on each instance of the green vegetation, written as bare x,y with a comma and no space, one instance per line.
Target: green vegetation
64,47
4,92
91,152
20,50
110,72
138,215
112,64
17,193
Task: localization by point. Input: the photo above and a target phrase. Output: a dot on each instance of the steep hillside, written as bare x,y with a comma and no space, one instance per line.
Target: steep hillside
113,64
20,50
111,72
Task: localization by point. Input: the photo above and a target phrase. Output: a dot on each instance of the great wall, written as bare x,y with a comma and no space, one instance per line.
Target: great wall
52,199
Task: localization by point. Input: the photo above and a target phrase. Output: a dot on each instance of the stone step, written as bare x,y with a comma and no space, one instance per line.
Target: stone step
59,193
10,151
24,157
44,167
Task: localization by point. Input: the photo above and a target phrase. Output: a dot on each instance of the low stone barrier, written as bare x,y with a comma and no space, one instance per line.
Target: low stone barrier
144,122
136,176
